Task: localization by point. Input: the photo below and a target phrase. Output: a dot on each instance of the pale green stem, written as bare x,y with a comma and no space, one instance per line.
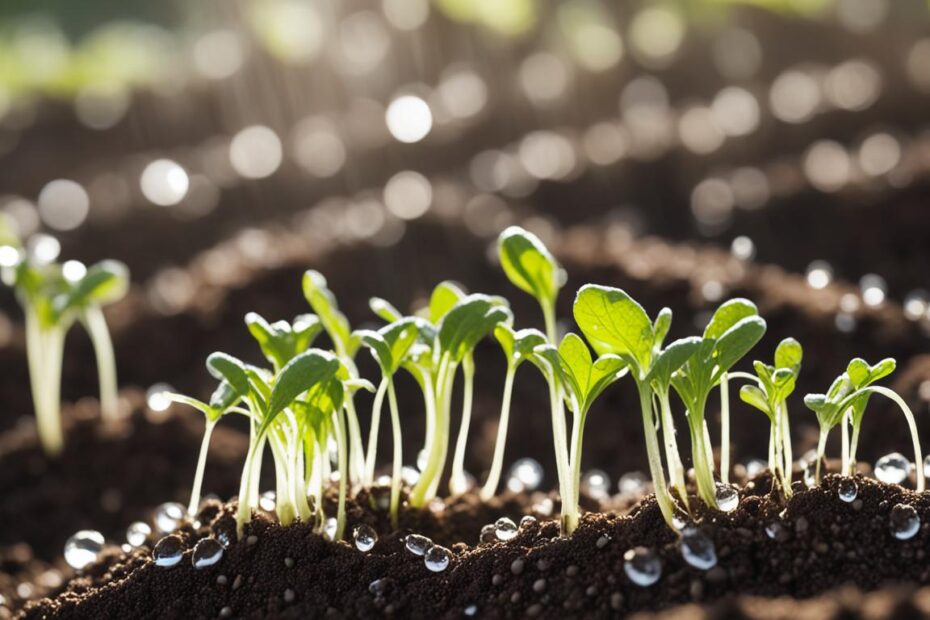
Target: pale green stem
912,426
457,482
244,513
429,408
821,448
563,467
254,491
398,455
853,444
578,420
343,473
284,507
96,326
497,462
299,487
655,458
786,447
724,430
201,466
773,464
846,455
548,310
423,490
703,470
376,407
357,451
45,379
672,456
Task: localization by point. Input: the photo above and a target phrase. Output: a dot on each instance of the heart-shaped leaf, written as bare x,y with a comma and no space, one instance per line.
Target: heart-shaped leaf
529,265
613,322
470,320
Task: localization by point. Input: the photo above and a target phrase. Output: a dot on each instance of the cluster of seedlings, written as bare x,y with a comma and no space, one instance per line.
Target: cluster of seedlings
300,404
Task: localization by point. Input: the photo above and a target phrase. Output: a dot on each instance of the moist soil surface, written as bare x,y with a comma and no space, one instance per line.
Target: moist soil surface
766,547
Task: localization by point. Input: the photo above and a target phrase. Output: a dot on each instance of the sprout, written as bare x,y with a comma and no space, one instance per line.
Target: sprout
846,401
613,322
733,330
52,301
770,394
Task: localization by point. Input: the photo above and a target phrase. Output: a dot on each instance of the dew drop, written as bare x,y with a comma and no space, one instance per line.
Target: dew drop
892,468
83,548
417,544
471,610
754,467
437,558
810,474
527,521
207,552
168,516
524,475
137,533
330,527
505,529
847,490
268,501
168,551
633,483
679,521
927,465
409,475
488,533
727,497
642,566
595,484
379,586
698,549
365,537
905,522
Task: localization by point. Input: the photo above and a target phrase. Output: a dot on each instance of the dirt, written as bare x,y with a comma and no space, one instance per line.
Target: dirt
290,572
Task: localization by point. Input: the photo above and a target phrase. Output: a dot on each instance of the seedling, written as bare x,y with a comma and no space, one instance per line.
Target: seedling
769,394
614,323
845,402
733,330
53,299
531,267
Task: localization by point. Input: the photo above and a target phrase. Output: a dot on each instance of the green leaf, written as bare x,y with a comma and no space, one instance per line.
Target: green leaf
727,315
788,354
323,302
529,265
518,345
390,344
547,359
298,376
673,357
384,309
613,322
661,326
752,395
473,318
233,370
585,378
104,283
281,341
444,297
736,342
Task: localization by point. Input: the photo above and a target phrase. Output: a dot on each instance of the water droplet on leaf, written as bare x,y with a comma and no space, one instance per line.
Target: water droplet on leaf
83,548
642,566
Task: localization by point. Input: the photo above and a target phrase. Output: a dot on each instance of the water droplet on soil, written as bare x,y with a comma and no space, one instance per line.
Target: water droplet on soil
633,483
727,497
137,533
437,558
505,529
330,527
810,474
905,522
409,475
488,533
417,544
847,490
527,520
524,475
927,465
207,552
267,501
168,551
365,537
892,468
168,516
754,467
471,610
776,531
379,586
642,566
595,484
83,548
679,521
698,549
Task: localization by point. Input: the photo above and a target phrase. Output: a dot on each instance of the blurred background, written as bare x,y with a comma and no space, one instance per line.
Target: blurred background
220,147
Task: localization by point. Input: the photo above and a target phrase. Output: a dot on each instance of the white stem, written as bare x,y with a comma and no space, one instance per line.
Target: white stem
357,451
786,446
343,474
846,456
563,467
457,482
425,488
398,454
912,426
676,469
96,326
497,462
284,505
376,407
45,379
724,430
201,466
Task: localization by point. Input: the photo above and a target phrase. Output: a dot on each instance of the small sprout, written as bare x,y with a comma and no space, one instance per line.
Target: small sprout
769,395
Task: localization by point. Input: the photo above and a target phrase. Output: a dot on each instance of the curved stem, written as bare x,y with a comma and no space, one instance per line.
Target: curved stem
724,429
201,466
244,512
96,326
457,482
497,462
655,458
398,455
773,464
676,469
376,407
423,490
912,426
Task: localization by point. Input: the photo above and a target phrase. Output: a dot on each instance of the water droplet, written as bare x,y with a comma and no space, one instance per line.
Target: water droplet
422,459
527,521
437,558
892,468
379,586
642,566
544,507
633,483
698,549
168,516
679,521
137,533
207,552
847,490
524,475
595,484
155,397
927,462
727,497
755,467
268,501
83,548
776,531
488,533
168,551
409,475
329,528
365,537
905,522
809,471
417,544
505,529
471,610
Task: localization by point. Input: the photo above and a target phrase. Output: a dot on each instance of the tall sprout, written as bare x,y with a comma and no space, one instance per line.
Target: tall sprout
530,266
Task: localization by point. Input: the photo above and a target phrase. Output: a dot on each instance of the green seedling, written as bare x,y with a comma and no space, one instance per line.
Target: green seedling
530,266
769,394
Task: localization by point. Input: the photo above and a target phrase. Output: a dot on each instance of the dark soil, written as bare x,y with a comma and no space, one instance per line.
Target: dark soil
107,477
289,572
